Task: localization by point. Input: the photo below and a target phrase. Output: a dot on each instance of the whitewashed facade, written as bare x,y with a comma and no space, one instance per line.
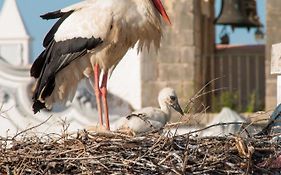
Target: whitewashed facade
16,85
14,39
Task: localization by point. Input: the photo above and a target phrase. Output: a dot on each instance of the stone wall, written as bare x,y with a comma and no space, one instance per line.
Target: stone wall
273,35
176,64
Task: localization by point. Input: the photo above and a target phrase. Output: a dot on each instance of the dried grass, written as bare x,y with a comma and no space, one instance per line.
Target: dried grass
117,153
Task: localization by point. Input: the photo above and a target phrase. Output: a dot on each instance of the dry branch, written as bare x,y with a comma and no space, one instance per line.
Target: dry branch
116,153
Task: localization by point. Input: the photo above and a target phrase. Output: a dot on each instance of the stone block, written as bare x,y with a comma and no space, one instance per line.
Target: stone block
169,55
271,88
270,102
150,92
149,72
186,21
149,67
175,72
187,54
188,89
183,38
273,5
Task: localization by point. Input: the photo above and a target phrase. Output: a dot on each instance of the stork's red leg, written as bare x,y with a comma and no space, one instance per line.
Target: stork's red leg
98,92
104,99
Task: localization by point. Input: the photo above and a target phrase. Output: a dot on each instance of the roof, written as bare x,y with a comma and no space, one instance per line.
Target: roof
250,49
12,26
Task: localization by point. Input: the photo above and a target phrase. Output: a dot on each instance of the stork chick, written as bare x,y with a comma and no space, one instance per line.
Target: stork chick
151,118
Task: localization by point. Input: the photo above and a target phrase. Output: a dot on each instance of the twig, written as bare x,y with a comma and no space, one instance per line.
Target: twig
33,127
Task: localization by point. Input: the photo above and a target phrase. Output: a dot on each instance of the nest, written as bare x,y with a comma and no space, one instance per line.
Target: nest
116,153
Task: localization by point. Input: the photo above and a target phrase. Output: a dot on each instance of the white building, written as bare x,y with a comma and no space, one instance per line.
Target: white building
14,39
16,84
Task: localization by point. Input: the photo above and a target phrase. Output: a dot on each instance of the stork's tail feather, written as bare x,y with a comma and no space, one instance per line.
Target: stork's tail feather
37,106
62,87
42,93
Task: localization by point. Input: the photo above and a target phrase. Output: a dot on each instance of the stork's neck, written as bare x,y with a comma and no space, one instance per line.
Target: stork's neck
150,12
139,13
166,109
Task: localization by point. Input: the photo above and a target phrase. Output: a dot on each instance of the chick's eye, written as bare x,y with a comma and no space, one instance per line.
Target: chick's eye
173,98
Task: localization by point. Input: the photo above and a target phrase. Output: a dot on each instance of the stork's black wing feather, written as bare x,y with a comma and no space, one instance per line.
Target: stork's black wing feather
37,66
53,15
39,62
56,56
50,35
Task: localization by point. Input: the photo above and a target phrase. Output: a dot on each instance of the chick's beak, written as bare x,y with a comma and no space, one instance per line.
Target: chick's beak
177,107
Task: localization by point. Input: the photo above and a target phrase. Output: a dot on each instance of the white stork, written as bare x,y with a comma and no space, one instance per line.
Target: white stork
90,37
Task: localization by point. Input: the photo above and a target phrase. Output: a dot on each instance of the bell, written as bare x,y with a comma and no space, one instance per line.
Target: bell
239,13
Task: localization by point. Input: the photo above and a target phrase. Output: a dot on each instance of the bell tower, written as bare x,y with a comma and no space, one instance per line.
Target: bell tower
14,39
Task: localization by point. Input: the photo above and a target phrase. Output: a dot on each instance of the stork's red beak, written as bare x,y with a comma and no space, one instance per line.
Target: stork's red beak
159,6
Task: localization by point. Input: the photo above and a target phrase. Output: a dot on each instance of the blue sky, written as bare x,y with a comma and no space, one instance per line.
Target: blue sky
37,28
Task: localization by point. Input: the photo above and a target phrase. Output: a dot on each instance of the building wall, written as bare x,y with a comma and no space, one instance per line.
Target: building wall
204,33
176,64
18,56
273,35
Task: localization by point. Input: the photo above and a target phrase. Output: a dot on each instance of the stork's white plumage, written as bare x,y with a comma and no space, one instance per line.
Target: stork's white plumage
88,37
151,118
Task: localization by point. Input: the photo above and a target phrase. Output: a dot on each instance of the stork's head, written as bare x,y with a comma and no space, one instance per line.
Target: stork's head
160,8
168,97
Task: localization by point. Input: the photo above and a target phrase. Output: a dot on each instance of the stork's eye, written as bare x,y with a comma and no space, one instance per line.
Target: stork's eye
173,98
